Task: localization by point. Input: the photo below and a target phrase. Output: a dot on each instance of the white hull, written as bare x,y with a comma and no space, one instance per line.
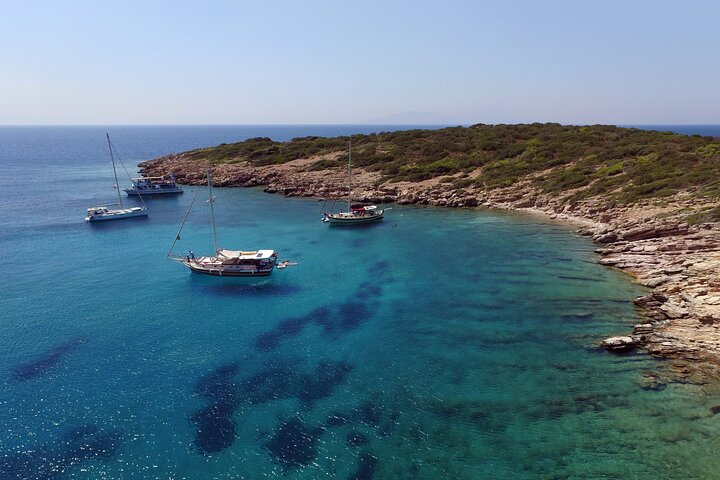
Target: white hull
352,218
117,214
152,191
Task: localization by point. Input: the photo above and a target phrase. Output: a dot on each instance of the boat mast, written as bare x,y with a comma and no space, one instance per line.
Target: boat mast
349,200
211,199
112,159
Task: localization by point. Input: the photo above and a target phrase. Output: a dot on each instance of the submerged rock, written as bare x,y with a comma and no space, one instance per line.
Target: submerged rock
294,444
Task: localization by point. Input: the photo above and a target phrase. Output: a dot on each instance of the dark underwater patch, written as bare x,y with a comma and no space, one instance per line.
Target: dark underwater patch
336,419
218,385
214,423
278,382
349,316
369,414
215,428
270,383
49,359
367,462
379,267
288,328
355,439
334,321
86,442
328,375
294,444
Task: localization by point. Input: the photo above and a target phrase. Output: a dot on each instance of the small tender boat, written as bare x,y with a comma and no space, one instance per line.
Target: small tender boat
355,214
102,212
153,186
225,263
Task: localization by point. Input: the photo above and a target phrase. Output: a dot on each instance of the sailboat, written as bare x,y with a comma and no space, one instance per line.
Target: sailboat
356,214
225,263
104,212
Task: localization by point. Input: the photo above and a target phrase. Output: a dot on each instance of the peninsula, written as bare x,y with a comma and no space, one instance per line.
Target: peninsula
650,199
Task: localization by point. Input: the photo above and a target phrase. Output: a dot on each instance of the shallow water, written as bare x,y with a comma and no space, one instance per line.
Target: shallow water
438,344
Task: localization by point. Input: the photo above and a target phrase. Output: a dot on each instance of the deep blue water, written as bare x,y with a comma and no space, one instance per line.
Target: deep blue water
704,130
438,344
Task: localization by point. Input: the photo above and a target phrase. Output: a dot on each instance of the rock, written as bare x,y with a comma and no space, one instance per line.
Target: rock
619,344
712,301
607,238
715,410
643,329
655,281
673,310
652,299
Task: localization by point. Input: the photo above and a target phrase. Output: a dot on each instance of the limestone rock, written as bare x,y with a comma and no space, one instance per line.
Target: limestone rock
620,344
655,281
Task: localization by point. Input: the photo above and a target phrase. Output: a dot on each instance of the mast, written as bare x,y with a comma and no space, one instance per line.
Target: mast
211,199
349,200
117,185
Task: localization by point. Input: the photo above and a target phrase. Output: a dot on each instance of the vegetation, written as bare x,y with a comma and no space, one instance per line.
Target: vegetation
623,164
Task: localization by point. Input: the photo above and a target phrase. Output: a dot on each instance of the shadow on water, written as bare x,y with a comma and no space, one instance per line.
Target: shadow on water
86,442
49,359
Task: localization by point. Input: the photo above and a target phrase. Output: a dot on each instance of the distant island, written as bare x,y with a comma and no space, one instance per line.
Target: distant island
651,199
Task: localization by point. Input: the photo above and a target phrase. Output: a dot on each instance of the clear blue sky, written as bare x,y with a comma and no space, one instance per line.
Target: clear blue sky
303,62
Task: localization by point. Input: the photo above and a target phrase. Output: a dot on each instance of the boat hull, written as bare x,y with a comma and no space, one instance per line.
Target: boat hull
118,215
227,272
153,191
337,220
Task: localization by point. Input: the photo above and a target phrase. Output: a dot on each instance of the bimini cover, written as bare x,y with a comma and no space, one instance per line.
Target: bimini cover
242,254
236,253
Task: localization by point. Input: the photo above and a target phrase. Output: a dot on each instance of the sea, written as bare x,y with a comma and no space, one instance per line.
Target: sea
437,344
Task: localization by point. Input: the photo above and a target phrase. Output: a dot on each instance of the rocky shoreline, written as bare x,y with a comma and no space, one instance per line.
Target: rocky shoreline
677,261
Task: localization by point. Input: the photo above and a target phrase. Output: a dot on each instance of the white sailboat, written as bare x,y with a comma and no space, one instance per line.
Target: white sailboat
356,214
106,212
225,263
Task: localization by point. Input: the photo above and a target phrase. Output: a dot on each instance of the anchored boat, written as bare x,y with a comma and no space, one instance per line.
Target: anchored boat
153,186
355,214
105,212
225,263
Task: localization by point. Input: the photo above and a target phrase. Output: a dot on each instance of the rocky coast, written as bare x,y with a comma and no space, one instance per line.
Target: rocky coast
651,240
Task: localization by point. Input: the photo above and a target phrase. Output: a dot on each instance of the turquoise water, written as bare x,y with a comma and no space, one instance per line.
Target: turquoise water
438,344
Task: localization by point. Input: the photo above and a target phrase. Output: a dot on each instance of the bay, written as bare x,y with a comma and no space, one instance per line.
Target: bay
438,344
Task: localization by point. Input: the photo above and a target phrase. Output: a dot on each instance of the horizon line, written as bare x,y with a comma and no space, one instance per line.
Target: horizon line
337,124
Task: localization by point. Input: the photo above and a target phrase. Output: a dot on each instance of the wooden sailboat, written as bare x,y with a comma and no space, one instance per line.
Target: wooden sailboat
356,214
225,263
105,212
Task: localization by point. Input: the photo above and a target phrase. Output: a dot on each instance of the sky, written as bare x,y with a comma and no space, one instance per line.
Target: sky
373,61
